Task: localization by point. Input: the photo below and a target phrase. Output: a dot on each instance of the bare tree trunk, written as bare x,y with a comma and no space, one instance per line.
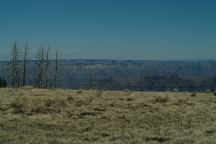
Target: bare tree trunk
13,67
46,68
42,68
40,77
24,64
14,81
56,68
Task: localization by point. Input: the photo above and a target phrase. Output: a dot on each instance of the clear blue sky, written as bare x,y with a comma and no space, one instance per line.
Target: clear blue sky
112,29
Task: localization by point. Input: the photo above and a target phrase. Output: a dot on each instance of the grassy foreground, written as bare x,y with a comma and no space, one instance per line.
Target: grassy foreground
37,116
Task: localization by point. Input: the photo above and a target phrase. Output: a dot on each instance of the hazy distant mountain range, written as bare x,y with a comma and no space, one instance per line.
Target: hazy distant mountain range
133,75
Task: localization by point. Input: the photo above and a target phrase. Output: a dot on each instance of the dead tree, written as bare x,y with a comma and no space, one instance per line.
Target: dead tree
40,68
14,67
46,68
25,63
56,68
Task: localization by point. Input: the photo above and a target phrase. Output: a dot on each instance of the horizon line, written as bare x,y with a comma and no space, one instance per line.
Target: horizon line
98,59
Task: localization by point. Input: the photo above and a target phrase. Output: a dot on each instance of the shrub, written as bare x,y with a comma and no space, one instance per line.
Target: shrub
130,99
193,94
55,103
3,83
18,105
79,92
42,109
161,100
99,93
87,101
70,98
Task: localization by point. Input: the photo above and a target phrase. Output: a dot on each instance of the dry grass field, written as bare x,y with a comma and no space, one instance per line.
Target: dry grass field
38,116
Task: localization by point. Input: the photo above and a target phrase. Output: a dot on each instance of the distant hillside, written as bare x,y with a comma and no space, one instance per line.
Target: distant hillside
135,75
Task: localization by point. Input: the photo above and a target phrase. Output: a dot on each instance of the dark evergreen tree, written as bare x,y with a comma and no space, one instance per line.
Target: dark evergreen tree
3,83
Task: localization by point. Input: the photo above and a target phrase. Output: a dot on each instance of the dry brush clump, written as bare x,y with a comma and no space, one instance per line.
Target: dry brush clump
161,99
48,106
99,93
19,105
37,104
193,94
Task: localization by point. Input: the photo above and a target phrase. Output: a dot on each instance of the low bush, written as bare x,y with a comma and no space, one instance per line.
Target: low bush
18,105
160,99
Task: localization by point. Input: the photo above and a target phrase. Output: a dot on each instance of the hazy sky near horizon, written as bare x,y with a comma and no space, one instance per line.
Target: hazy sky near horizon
112,29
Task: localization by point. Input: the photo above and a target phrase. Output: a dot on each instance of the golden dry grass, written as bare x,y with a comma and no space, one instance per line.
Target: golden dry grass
38,116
